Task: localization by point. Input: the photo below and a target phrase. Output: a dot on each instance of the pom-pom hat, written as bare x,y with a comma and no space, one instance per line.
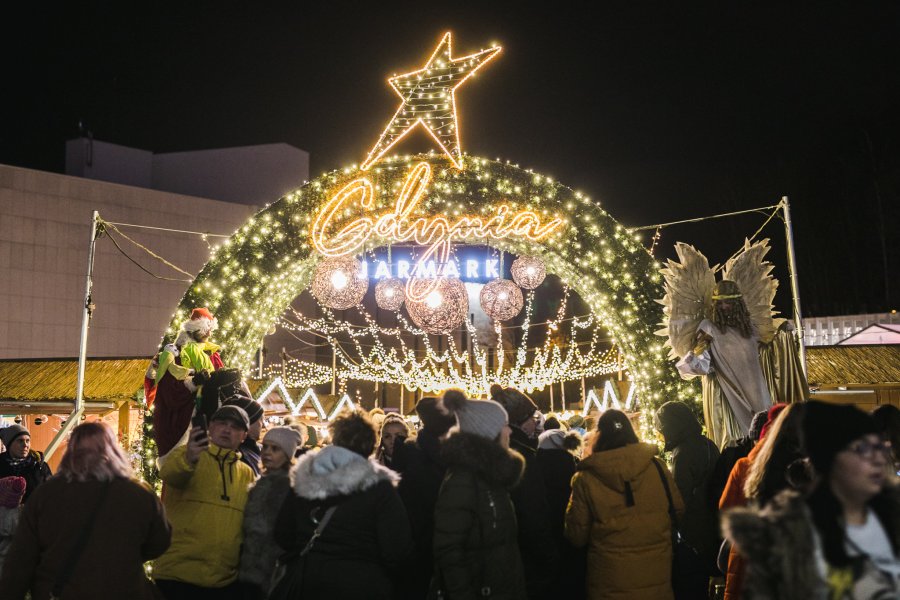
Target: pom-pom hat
518,406
12,489
484,418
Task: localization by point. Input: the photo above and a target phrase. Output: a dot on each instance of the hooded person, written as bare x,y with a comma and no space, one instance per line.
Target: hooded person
620,510
422,473
350,500
536,539
557,460
176,375
20,460
694,459
476,551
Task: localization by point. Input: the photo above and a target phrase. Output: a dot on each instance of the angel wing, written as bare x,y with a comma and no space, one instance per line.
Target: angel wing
753,275
689,287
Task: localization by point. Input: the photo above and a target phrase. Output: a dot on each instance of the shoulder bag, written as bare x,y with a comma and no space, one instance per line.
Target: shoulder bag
287,581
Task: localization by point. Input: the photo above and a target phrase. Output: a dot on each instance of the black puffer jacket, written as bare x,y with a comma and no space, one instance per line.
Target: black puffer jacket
475,545
694,459
421,476
367,539
32,468
540,554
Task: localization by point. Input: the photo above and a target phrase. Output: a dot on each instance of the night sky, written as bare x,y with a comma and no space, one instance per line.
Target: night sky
660,111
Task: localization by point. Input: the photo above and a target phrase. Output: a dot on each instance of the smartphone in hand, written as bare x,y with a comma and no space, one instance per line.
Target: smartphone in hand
199,420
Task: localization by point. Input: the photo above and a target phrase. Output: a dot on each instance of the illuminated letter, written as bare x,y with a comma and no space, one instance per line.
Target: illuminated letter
382,270
490,268
472,269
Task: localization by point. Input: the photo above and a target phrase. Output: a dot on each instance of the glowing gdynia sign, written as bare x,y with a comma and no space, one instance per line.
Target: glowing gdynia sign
332,237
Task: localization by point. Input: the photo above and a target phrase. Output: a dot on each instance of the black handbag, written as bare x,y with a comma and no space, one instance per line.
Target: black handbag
287,581
687,563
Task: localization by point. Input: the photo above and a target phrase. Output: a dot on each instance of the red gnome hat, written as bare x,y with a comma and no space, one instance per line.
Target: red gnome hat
201,313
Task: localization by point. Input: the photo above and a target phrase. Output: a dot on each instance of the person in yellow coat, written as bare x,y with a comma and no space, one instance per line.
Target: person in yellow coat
207,487
619,510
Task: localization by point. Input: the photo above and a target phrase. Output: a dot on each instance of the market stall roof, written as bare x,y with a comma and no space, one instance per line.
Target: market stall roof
877,333
50,383
853,364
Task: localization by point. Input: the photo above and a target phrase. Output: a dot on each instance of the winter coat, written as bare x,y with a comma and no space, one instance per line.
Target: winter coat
475,545
32,468
205,503
733,497
619,509
558,467
131,528
259,551
421,477
694,458
783,551
250,455
367,539
540,554
9,520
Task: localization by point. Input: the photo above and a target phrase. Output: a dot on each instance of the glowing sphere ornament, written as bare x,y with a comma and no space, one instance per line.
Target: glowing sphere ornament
443,309
338,283
390,293
528,272
501,299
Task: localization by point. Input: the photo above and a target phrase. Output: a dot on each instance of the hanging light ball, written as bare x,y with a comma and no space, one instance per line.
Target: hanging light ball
338,283
528,271
390,293
443,309
501,299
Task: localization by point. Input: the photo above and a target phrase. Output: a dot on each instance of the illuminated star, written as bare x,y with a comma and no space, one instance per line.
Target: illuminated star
428,99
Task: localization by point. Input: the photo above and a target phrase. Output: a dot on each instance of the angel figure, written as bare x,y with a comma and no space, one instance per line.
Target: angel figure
724,332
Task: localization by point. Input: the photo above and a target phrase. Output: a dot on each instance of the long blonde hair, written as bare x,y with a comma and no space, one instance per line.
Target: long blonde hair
781,446
94,454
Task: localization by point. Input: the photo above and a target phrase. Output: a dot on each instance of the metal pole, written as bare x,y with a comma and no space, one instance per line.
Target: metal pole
562,399
87,312
551,396
333,370
795,287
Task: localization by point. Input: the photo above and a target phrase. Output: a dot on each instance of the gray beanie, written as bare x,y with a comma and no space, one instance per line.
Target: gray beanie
9,434
285,438
484,418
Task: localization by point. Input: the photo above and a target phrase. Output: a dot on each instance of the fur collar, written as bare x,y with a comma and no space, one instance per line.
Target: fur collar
316,477
487,459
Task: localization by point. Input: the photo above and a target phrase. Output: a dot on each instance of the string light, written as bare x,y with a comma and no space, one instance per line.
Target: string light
429,99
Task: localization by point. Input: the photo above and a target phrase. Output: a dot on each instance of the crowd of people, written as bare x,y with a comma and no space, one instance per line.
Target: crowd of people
479,498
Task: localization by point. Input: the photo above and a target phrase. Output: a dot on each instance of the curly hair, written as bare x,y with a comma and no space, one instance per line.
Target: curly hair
738,317
353,430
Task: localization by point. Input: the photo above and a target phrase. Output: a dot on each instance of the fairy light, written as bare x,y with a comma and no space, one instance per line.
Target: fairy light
429,100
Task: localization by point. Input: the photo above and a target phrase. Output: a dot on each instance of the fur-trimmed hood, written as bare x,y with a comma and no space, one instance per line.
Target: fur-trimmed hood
487,459
336,471
779,544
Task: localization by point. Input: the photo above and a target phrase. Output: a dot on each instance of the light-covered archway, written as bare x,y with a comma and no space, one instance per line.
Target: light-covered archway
253,276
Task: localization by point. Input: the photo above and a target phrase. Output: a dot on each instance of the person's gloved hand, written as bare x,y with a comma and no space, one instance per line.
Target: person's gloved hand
200,378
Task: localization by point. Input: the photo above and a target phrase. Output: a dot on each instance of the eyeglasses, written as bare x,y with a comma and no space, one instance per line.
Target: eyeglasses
868,450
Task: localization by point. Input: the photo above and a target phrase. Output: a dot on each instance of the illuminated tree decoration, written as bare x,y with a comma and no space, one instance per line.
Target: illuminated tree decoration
528,272
338,283
390,293
444,308
501,299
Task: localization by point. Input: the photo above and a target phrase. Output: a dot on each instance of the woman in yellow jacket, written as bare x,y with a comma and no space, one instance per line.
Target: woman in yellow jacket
620,511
